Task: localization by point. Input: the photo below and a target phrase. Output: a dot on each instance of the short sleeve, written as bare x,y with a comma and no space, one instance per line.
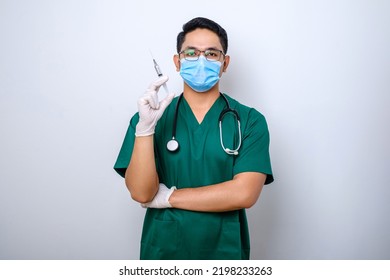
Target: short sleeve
254,152
126,150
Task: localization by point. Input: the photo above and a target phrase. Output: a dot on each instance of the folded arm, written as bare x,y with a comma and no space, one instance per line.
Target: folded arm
240,192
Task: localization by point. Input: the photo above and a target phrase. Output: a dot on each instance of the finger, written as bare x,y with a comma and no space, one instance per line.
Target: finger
153,100
157,83
166,101
151,93
150,98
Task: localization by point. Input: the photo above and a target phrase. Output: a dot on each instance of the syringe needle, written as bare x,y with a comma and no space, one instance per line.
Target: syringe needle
159,73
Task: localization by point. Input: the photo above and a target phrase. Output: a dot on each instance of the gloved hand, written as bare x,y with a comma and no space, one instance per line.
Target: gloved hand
161,199
150,110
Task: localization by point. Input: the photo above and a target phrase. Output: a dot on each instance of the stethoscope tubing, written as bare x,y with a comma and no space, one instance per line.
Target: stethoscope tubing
173,144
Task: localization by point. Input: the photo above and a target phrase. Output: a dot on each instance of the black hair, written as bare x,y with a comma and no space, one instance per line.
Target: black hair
205,23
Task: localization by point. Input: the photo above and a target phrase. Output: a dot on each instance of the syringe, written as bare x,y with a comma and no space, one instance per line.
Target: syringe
159,73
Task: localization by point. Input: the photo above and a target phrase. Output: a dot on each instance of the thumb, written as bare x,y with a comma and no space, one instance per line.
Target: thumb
166,101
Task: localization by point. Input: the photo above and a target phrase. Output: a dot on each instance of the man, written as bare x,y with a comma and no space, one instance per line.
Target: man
196,193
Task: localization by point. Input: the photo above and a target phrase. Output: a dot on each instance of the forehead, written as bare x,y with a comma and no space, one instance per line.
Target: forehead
201,39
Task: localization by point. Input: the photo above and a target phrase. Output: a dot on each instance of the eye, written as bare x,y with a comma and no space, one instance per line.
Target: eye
211,53
190,52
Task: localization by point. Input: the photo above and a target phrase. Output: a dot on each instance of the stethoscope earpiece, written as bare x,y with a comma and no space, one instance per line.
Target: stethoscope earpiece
231,152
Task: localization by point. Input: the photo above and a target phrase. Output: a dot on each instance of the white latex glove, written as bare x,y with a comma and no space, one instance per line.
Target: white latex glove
149,109
161,199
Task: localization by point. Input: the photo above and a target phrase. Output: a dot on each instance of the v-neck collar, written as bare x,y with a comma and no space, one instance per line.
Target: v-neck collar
211,115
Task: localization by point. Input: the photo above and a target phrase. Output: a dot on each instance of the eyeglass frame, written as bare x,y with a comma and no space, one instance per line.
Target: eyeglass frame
204,52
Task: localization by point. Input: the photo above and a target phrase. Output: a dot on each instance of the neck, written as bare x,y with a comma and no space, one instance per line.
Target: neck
201,100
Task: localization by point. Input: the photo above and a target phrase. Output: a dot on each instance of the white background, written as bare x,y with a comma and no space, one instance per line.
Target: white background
70,75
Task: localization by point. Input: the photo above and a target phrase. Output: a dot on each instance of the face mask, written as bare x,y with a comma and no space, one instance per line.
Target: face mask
201,75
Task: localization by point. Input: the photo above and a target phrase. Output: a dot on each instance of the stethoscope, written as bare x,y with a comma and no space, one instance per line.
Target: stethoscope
173,144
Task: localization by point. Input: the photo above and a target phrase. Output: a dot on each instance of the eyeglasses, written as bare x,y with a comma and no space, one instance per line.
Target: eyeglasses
192,54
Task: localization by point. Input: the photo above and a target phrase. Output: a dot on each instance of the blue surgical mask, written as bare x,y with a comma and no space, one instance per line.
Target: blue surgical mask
201,75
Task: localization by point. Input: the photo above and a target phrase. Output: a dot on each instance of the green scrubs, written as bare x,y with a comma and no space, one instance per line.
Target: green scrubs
200,161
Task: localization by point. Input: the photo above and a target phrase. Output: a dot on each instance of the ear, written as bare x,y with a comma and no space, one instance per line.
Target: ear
176,61
226,63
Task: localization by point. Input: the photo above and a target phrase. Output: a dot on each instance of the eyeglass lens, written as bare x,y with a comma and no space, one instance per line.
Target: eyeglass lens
193,54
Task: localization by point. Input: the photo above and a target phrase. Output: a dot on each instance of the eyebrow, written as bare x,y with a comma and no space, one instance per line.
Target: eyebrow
210,48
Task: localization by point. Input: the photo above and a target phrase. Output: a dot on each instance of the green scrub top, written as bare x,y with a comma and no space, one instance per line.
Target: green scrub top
200,161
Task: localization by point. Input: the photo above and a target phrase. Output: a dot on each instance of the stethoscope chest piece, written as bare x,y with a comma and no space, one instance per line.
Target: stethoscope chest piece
173,145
